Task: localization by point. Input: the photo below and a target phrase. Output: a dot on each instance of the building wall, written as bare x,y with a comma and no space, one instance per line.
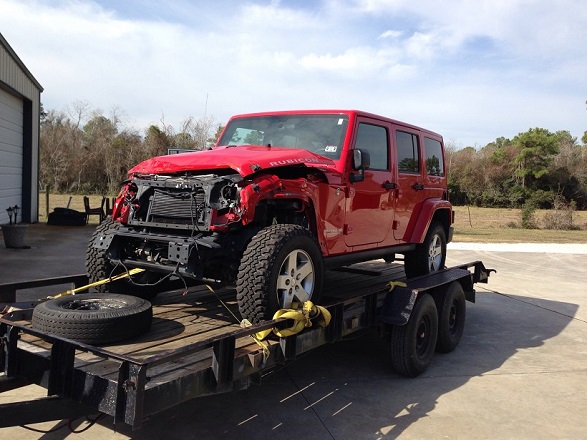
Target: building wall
19,85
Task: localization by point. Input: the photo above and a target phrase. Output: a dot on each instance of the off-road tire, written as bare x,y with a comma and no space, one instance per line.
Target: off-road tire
94,318
428,256
264,258
99,267
451,306
413,344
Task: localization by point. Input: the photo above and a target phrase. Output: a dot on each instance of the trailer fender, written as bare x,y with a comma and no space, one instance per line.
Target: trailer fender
398,306
399,302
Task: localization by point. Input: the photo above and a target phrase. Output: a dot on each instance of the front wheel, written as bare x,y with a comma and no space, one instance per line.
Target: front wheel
413,344
282,264
428,256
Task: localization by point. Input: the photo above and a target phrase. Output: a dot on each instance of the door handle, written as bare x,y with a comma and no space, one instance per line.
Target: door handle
389,185
418,186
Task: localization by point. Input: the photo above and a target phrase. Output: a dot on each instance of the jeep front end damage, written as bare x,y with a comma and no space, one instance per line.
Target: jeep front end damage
188,203
173,224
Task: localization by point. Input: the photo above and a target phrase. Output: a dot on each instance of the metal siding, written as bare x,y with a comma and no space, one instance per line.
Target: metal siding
17,83
11,153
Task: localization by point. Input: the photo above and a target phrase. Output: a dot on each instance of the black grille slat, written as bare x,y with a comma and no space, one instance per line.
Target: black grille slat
175,206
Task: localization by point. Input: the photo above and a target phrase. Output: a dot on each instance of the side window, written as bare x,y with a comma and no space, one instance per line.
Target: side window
434,163
408,152
373,138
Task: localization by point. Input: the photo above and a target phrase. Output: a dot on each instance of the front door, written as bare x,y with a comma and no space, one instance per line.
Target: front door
370,203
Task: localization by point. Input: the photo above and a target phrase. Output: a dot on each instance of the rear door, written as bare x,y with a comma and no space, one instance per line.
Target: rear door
411,182
421,176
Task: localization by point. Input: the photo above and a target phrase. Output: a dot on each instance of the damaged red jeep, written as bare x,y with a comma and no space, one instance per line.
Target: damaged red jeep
279,199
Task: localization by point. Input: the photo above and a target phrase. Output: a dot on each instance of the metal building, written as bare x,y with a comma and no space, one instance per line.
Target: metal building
20,103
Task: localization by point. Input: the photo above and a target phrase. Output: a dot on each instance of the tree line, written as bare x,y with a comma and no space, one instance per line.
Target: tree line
536,168
83,150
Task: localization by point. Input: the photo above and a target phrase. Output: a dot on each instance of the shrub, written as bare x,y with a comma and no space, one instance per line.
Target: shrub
561,216
529,215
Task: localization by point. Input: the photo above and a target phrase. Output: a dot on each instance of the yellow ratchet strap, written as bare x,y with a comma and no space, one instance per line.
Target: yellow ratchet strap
264,347
304,315
393,284
244,324
97,283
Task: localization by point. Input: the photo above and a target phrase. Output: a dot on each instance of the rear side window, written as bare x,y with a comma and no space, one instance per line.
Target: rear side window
373,138
408,152
434,163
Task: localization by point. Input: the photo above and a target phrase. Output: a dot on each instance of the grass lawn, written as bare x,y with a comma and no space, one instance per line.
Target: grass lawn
489,225
494,225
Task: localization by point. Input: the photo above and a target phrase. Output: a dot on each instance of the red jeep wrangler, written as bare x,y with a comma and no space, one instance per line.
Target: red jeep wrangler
281,197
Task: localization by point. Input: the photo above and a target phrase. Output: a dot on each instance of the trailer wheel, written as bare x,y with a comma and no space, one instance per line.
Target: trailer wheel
428,256
281,264
412,344
94,318
99,267
451,307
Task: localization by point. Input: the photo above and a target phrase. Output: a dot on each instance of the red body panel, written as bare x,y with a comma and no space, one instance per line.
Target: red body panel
245,160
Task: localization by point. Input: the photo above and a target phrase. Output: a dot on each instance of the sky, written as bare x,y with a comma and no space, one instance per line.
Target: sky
471,70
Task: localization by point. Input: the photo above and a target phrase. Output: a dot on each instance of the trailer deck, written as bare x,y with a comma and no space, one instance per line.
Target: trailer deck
195,346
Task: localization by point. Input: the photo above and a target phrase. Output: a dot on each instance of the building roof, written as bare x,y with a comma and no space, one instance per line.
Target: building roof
26,71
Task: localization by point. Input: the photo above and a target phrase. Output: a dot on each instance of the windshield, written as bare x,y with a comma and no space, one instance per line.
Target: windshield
321,134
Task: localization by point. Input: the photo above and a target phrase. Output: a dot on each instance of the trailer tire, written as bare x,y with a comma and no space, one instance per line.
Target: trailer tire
428,256
451,306
94,318
278,255
413,344
144,285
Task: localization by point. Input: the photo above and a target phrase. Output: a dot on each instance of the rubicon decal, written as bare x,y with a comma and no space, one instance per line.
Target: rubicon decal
278,163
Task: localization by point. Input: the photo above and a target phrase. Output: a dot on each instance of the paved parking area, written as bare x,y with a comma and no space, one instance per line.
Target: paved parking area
519,372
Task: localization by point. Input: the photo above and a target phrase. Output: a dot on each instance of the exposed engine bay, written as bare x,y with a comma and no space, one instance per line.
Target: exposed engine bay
171,224
188,203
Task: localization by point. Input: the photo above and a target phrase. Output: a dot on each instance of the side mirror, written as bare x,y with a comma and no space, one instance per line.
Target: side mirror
361,161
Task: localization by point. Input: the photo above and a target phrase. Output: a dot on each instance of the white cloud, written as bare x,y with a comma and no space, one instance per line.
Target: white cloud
472,71
393,34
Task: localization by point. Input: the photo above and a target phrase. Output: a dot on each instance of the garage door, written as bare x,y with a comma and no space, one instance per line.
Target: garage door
11,151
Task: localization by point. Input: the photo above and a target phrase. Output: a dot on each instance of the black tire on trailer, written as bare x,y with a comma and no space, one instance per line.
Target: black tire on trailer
281,264
451,305
99,267
94,318
413,344
428,256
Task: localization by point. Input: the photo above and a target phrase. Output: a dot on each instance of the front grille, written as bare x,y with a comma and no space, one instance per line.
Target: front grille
184,205
180,209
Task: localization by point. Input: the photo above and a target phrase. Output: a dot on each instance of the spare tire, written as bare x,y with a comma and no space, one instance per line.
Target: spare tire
94,318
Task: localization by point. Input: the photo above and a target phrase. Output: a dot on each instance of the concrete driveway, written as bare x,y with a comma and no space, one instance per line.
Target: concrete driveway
519,372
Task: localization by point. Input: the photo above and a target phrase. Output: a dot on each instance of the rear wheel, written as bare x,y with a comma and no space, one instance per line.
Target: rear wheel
429,256
451,307
412,344
144,285
282,264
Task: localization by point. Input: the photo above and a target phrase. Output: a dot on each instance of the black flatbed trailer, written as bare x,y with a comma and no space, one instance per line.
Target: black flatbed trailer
195,346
